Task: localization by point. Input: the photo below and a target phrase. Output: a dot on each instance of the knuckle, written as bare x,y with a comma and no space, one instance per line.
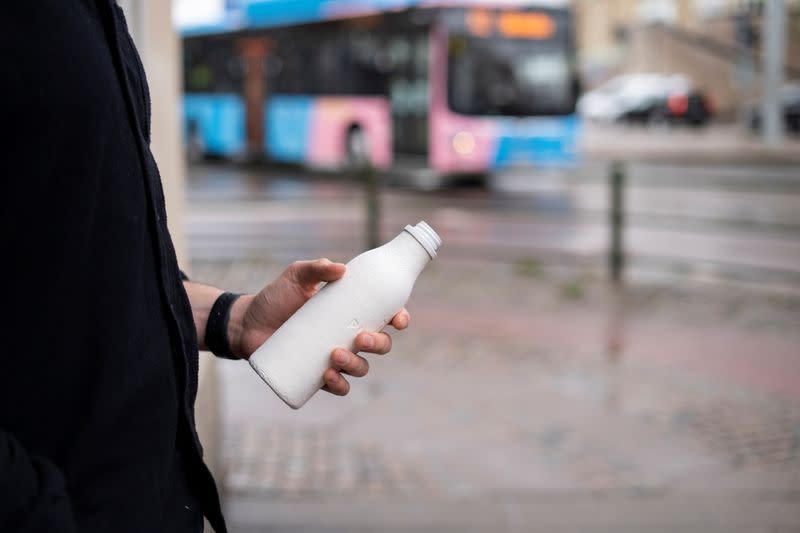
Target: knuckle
293,269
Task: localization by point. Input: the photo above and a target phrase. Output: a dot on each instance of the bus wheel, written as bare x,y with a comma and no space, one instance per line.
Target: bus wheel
357,148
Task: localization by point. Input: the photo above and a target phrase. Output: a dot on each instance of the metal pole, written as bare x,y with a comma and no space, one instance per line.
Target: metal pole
372,194
616,252
745,75
774,33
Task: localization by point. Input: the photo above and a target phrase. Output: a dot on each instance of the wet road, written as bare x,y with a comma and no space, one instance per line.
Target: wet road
736,223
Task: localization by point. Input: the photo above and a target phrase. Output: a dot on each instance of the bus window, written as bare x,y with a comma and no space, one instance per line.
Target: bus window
210,66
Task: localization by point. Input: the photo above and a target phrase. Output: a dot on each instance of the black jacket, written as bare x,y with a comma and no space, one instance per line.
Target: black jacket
98,353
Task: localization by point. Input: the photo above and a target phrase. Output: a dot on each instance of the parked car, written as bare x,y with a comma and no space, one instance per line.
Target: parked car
647,98
790,102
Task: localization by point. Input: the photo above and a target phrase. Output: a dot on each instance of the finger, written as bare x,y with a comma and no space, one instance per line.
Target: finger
349,363
379,343
309,273
335,383
401,320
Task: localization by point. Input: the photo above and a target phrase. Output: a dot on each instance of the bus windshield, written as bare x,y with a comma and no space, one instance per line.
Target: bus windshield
516,63
502,76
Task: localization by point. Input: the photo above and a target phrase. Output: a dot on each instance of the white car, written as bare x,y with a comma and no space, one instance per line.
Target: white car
628,95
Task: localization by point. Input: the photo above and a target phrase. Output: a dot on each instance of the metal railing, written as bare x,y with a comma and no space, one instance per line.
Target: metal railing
618,219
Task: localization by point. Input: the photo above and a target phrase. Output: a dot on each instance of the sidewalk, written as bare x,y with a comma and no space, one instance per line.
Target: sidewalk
508,407
716,144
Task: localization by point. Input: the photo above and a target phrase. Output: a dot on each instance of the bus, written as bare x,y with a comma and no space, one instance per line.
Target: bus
458,87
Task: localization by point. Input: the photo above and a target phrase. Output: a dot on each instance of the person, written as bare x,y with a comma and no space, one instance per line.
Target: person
100,331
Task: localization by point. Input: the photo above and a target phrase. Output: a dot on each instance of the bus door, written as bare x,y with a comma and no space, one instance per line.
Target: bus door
254,52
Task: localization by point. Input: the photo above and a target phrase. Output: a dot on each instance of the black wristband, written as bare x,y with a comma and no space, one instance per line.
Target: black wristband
216,337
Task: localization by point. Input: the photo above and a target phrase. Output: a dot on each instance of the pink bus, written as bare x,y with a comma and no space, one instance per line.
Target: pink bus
465,87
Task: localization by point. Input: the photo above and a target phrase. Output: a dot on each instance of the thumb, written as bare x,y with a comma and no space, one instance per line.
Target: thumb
309,273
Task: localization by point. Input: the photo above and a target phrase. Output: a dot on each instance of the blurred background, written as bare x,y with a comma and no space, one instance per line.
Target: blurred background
609,339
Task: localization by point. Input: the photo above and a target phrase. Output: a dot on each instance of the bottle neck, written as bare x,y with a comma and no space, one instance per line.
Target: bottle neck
426,236
414,255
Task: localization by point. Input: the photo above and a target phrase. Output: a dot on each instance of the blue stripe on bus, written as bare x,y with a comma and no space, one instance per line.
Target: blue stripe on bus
266,13
288,120
220,120
283,12
242,14
543,141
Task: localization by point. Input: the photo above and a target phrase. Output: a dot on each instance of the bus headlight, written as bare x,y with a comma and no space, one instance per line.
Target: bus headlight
463,143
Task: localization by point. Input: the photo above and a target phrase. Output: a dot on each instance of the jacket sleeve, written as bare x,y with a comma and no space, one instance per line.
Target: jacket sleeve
33,498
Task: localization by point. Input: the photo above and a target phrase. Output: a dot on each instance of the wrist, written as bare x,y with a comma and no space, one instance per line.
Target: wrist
216,338
236,325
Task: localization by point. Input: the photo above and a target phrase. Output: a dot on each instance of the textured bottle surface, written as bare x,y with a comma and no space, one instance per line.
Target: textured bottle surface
375,287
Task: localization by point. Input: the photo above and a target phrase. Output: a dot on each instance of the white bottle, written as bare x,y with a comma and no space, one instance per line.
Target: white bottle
374,288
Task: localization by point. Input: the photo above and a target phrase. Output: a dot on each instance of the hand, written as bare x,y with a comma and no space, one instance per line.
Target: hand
255,317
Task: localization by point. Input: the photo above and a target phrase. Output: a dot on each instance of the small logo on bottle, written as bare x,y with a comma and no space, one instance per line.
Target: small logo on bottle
353,324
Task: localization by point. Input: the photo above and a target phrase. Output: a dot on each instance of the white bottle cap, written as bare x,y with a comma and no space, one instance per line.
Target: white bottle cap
425,235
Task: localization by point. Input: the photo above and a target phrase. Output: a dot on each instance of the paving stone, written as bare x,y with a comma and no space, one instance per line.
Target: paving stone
501,406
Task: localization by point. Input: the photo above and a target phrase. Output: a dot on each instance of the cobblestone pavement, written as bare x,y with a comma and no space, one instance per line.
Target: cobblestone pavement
518,399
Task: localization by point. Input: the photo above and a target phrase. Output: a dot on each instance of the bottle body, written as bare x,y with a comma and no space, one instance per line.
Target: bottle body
375,287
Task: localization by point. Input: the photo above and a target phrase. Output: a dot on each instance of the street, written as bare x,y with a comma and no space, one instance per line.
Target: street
528,394
735,223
